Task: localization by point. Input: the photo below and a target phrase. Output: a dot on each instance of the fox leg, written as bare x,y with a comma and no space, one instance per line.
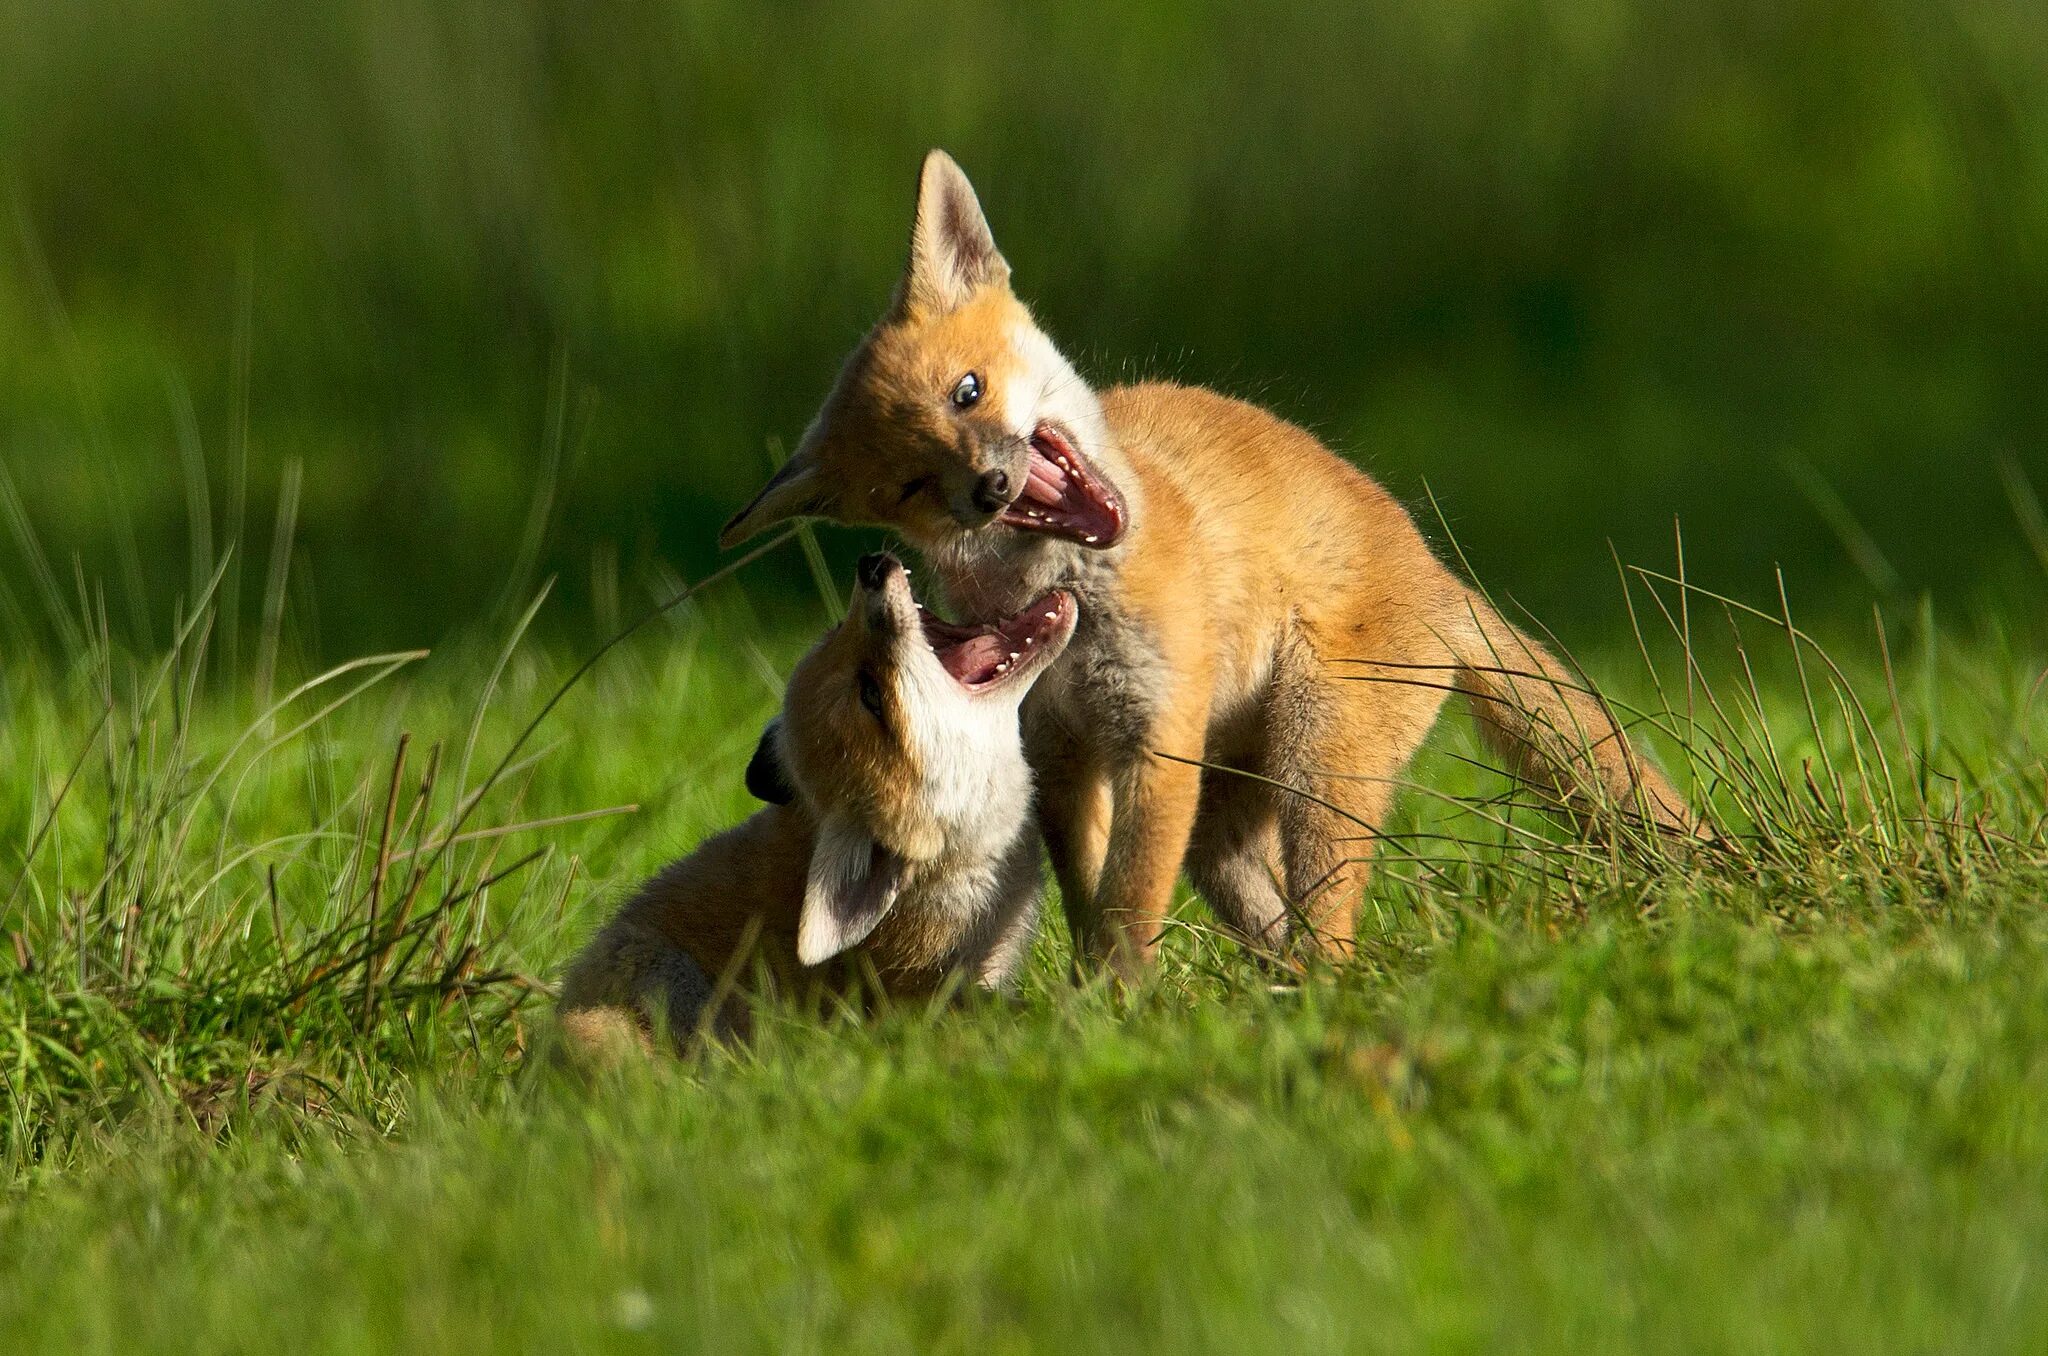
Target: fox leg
1075,807
1342,746
1156,802
1116,836
1234,858
1158,791
631,980
1329,854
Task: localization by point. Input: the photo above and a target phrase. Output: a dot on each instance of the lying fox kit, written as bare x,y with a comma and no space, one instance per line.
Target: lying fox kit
1250,600
898,836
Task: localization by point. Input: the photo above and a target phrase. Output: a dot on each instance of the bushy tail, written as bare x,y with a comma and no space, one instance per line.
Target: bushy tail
1555,732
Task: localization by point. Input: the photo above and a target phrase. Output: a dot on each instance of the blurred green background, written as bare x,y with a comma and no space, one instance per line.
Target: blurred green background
530,287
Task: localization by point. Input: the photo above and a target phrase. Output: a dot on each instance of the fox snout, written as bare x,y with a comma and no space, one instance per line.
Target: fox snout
879,577
874,569
987,481
992,492
885,603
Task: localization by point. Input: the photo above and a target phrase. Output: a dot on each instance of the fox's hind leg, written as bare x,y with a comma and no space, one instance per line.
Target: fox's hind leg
1342,740
1234,859
630,982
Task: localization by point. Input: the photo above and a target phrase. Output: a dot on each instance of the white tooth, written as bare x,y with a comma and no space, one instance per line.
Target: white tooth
1052,616
1013,654
1031,640
1089,537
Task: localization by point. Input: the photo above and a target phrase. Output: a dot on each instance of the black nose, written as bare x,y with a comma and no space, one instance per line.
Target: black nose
992,491
873,570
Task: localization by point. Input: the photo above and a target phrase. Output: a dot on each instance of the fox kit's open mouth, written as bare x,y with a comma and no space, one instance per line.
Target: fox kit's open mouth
983,656
1064,496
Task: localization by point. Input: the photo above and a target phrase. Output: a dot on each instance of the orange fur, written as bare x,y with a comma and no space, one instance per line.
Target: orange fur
1254,601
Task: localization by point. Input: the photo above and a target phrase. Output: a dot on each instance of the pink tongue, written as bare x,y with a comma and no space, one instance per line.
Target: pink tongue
974,660
1048,483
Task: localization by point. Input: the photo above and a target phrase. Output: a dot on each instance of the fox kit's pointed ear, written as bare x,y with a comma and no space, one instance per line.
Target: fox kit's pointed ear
767,778
795,491
952,252
853,884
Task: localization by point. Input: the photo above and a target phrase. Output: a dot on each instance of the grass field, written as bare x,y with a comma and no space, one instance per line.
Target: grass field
274,950
349,324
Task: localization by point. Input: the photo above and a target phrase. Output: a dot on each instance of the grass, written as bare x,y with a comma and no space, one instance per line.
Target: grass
468,293
275,971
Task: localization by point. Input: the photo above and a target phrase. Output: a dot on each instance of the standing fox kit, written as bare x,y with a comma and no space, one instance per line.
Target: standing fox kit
899,833
1248,599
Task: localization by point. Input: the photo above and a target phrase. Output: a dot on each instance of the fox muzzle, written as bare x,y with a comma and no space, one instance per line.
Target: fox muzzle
992,492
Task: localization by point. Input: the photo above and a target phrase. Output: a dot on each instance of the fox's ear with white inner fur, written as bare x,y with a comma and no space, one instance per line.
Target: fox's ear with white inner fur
952,252
853,883
795,491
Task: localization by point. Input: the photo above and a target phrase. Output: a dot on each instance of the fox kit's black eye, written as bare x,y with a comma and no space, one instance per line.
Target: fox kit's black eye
966,391
871,695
